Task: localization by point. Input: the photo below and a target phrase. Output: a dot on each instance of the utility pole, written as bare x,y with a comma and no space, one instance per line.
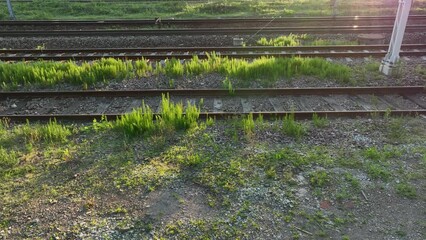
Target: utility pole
9,7
333,6
392,57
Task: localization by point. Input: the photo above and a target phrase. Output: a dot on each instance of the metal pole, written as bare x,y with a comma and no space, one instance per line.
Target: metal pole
9,7
392,56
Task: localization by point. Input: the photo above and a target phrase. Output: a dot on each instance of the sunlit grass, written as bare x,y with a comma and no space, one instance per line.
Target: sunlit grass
61,9
267,69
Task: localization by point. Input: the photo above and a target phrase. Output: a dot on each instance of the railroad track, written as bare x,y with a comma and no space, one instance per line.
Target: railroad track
284,21
210,31
356,51
303,102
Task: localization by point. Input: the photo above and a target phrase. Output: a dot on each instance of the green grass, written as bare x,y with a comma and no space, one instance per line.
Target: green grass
290,40
52,132
319,178
406,190
61,9
319,122
264,70
248,125
141,122
294,40
293,128
99,171
46,73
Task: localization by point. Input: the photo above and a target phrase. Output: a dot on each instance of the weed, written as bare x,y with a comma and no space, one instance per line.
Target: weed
8,159
227,84
248,125
51,132
138,122
290,40
172,114
377,171
406,190
174,68
319,178
373,154
292,128
319,122
421,70
326,42
396,130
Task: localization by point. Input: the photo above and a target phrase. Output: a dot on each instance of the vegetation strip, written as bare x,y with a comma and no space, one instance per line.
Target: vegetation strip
46,73
219,92
214,31
352,19
225,115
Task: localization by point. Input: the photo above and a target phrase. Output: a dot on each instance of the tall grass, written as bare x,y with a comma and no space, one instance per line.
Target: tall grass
293,128
51,132
139,121
8,159
173,115
291,40
48,73
268,69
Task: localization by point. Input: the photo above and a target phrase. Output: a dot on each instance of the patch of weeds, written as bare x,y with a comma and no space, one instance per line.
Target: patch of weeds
373,154
290,40
399,70
293,128
377,171
119,210
353,181
8,159
51,132
138,122
319,178
172,114
102,124
345,237
406,190
349,159
319,122
185,156
396,130
141,120
248,125
174,68
227,84
421,70
327,42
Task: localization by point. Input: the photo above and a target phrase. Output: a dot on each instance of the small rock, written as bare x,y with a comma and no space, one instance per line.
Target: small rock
13,106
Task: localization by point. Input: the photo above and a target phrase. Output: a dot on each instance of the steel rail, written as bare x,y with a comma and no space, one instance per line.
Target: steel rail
209,49
354,19
218,92
222,115
203,55
210,31
404,91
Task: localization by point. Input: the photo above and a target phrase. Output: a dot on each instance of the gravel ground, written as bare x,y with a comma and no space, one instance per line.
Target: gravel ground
286,206
162,41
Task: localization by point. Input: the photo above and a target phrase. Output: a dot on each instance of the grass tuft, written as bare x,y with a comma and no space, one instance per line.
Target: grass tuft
293,128
138,122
